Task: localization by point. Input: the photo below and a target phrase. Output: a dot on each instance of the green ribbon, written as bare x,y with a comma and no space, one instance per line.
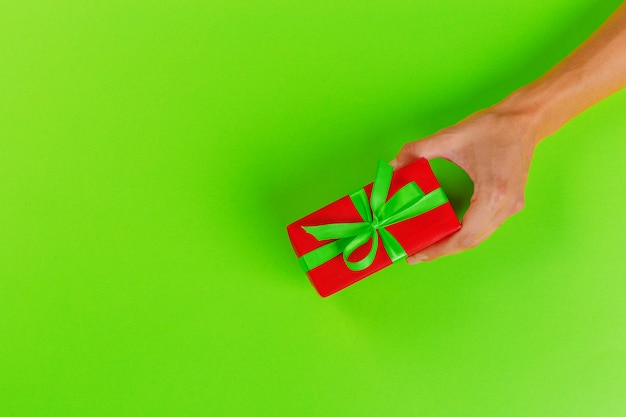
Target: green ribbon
409,201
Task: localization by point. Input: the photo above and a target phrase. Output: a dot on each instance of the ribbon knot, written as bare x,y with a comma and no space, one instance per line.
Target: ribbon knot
377,213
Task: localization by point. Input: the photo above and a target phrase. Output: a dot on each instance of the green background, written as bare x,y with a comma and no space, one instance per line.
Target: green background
152,153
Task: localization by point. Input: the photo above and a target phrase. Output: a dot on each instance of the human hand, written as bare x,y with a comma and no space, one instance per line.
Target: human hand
495,148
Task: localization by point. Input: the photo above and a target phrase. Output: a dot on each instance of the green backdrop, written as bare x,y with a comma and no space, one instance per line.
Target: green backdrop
152,153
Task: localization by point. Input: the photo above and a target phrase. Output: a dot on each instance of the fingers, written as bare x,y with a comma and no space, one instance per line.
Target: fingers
475,229
486,213
428,148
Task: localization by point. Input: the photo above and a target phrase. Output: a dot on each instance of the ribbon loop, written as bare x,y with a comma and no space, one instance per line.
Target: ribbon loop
377,213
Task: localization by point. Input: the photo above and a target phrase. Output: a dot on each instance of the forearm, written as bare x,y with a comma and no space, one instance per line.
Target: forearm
595,70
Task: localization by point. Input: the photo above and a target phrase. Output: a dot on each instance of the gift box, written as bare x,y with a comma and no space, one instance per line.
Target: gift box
399,214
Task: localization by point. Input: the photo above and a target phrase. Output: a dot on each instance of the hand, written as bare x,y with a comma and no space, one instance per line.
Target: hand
495,148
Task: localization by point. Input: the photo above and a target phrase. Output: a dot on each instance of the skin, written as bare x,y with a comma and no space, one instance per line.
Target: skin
495,146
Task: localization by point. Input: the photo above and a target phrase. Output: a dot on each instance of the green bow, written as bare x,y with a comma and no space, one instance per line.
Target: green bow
409,201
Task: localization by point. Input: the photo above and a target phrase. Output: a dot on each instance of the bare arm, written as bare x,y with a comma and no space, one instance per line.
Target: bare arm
495,146
595,70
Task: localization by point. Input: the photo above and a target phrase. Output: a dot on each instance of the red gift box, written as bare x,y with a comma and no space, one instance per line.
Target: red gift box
413,234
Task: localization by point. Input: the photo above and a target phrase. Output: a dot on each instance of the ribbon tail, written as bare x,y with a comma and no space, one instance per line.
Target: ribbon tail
362,204
336,230
392,246
323,254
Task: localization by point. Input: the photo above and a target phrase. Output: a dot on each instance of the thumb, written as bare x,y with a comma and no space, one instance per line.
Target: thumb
429,148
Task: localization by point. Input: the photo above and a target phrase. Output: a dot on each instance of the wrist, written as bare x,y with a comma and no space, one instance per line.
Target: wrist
527,113
537,108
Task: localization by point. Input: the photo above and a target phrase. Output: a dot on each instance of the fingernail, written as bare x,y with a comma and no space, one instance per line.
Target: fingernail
415,259
393,163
